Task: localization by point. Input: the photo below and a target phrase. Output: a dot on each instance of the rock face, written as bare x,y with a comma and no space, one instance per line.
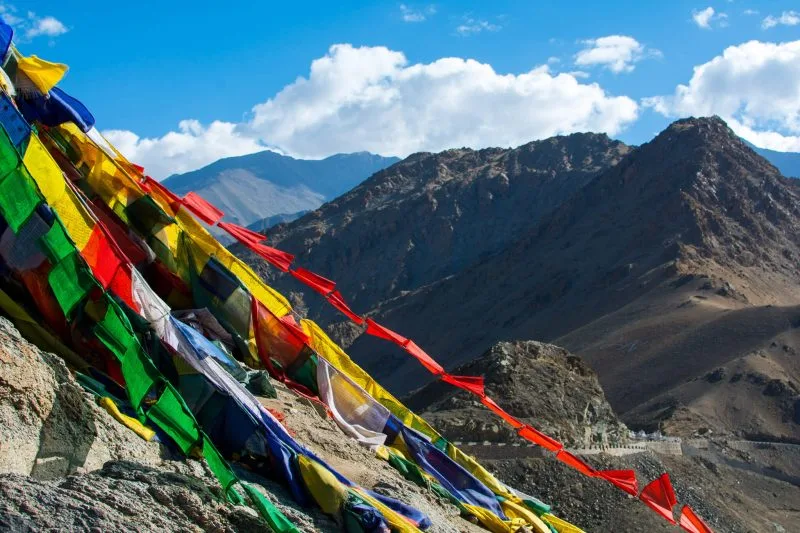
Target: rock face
49,426
541,384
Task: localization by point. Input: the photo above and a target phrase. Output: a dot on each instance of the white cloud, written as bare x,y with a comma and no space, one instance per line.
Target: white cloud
750,12
31,25
705,18
191,147
372,98
787,18
416,15
472,26
44,26
618,53
753,86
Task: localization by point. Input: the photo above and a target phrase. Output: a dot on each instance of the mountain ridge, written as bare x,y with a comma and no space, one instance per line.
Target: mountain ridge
689,227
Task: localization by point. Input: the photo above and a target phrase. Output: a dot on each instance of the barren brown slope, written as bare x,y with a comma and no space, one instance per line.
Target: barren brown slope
636,240
433,215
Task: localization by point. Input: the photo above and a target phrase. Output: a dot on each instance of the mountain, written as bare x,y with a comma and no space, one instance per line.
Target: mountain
663,267
787,162
433,215
252,187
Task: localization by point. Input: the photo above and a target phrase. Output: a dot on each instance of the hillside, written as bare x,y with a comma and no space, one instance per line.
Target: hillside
678,260
252,187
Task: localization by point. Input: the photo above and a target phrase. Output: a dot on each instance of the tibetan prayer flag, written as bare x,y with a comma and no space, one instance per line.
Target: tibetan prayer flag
280,260
499,411
575,462
691,522
44,74
336,300
6,33
625,480
102,257
376,330
150,185
241,233
660,497
202,209
537,437
420,355
473,384
56,108
322,285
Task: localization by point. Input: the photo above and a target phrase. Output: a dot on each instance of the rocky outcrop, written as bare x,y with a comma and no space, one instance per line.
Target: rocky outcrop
49,426
542,384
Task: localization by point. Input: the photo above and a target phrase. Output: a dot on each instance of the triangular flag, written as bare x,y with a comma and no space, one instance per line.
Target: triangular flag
473,384
336,300
659,496
691,522
324,286
376,330
202,209
623,479
537,437
420,355
242,234
567,458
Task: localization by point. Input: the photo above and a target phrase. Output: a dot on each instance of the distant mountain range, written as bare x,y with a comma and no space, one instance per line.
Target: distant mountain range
671,268
254,187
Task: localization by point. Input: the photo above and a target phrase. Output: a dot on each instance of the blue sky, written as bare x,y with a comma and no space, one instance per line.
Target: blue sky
144,67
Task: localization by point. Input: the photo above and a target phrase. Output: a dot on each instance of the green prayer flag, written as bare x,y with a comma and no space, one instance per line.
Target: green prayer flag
276,520
172,416
55,244
70,281
18,197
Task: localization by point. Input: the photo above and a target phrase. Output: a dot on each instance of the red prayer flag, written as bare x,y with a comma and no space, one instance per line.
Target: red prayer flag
324,286
499,411
294,328
101,256
149,184
691,522
202,209
659,496
122,286
623,479
473,384
567,458
420,355
376,330
242,234
138,168
336,300
277,258
537,437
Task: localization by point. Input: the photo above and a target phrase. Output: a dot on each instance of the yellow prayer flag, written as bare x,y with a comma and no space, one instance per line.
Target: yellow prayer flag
44,74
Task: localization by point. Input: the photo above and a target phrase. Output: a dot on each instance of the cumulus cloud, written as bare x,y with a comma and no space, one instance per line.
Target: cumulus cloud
787,18
191,147
372,98
30,25
753,86
705,18
416,15
618,53
472,26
